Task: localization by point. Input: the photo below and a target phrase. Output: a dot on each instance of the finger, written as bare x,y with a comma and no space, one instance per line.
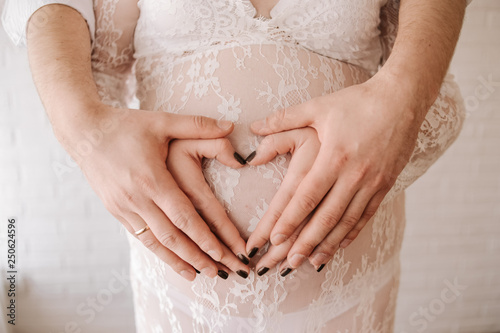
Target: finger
273,145
232,263
220,149
188,271
284,142
370,210
189,177
312,189
305,151
273,256
341,209
124,222
325,250
169,236
180,211
325,218
175,126
296,116
276,254
180,266
348,221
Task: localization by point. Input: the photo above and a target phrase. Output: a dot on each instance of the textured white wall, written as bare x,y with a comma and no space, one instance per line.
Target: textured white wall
73,256
453,211
70,249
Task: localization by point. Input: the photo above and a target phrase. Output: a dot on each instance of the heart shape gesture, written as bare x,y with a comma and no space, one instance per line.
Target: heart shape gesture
185,163
337,177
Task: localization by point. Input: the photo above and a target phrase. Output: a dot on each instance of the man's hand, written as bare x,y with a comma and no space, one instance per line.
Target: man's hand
367,134
184,162
127,171
365,144
303,144
127,166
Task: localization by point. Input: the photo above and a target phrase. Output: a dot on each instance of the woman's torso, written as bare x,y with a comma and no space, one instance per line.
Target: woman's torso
217,59
214,58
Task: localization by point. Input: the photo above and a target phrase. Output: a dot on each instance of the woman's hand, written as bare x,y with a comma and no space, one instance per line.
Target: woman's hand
185,164
126,168
367,134
303,144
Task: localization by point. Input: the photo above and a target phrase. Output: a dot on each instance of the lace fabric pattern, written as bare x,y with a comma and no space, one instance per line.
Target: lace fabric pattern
216,58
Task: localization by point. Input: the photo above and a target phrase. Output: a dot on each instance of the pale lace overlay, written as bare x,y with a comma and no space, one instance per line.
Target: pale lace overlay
215,58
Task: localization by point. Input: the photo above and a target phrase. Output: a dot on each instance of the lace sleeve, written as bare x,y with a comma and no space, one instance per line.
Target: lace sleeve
17,13
439,130
113,52
443,121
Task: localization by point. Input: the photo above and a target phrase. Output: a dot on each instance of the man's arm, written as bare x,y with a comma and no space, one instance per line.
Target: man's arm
427,35
16,14
61,68
367,133
126,166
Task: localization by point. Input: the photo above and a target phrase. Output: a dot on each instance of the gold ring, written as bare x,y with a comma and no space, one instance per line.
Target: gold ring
141,231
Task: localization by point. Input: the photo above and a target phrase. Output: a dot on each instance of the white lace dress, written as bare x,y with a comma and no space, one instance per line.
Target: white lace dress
216,58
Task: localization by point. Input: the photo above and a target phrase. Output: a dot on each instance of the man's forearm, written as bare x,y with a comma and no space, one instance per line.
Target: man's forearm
60,58
427,34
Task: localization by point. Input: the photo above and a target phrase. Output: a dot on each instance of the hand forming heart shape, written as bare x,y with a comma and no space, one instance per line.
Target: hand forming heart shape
185,164
346,154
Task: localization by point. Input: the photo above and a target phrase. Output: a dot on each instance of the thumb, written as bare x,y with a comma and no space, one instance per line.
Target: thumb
271,146
219,149
284,142
175,126
285,119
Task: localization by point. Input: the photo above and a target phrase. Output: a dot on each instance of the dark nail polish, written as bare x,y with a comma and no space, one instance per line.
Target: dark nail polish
262,271
243,259
320,268
285,272
197,271
240,159
222,274
251,156
243,274
253,252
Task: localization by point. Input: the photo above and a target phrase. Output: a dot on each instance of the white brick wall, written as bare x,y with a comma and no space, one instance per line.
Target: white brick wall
71,250
68,250
453,212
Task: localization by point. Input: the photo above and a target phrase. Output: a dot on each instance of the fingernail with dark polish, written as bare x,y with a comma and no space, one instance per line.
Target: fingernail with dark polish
243,274
197,271
285,272
240,159
320,268
222,274
253,252
262,271
243,259
251,156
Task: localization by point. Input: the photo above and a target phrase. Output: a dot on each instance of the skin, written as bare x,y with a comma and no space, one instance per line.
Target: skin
264,7
367,133
143,192
126,168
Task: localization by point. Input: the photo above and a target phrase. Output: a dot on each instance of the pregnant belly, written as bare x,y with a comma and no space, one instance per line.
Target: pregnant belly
242,85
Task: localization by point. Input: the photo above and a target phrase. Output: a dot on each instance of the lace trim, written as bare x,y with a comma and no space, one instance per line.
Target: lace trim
289,76
328,308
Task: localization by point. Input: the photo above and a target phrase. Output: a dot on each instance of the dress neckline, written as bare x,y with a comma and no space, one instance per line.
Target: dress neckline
272,13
